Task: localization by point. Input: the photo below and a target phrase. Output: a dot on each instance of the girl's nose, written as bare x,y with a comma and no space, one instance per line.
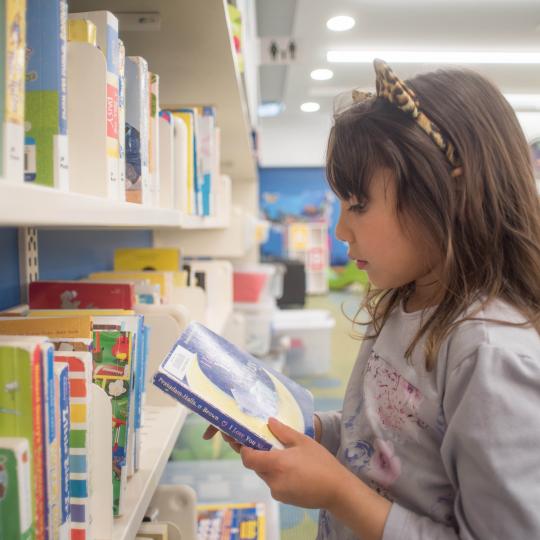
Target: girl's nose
342,232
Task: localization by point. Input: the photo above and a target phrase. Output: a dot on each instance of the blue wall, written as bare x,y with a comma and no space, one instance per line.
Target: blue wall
296,189
63,254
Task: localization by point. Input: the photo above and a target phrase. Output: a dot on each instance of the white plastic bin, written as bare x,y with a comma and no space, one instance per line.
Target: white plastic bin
258,329
310,332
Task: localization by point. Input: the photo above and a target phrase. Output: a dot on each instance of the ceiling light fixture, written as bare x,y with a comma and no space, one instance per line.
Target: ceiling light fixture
268,109
322,74
310,106
341,23
434,57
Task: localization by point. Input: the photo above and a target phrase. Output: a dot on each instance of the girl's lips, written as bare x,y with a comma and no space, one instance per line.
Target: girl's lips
361,264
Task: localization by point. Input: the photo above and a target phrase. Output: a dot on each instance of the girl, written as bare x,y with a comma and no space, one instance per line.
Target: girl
439,434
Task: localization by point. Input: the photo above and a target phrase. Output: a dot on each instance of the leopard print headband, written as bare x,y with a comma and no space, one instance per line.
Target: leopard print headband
396,92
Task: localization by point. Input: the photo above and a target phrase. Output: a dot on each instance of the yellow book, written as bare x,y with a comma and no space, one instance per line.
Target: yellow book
144,259
188,117
82,30
57,327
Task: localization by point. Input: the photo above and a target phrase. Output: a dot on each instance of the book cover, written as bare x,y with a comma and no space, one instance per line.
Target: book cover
61,373
137,129
231,389
76,353
147,259
153,139
121,121
80,295
15,489
46,143
231,521
22,405
206,140
166,161
107,40
15,50
182,176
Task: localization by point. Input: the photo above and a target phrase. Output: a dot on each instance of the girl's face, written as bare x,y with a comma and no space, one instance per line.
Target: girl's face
378,242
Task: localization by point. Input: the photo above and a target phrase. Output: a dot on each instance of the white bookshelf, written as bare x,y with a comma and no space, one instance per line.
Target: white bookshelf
161,427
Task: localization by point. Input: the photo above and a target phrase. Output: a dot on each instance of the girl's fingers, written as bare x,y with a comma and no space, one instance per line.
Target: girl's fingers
210,432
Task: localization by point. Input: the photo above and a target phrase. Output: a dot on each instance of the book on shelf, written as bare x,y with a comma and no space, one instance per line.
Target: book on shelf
182,185
80,295
147,259
83,31
166,161
46,142
153,139
231,389
206,144
231,521
14,49
121,121
15,489
107,40
64,327
137,129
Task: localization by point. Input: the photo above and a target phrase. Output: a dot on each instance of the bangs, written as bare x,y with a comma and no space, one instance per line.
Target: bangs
358,147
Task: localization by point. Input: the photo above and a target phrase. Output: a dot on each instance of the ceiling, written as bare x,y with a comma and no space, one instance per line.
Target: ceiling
486,25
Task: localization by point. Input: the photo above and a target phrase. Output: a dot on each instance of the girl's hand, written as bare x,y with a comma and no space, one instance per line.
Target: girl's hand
304,473
211,431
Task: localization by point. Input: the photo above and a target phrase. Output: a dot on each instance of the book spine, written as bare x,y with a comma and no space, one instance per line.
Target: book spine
121,121
217,418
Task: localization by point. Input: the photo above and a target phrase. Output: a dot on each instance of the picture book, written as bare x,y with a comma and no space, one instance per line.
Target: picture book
206,144
107,40
153,139
137,129
145,259
76,353
57,327
182,174
233,521
22,413
15,489
121,121
231,389
15,51
61,374
80,295
46,143
166,161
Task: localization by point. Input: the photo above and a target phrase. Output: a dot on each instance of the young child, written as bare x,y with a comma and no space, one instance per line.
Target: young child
439,434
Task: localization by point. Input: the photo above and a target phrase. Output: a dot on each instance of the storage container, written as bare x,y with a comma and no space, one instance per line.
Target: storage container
253,283
258,332
310,333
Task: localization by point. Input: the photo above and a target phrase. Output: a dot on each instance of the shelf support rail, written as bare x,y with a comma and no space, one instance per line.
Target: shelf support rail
28,260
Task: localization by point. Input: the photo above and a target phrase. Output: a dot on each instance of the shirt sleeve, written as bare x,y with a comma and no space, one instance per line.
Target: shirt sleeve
489,450
330,430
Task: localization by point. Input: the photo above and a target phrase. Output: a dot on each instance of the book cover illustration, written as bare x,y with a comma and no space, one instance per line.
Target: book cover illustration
231,389
46,144
147,259
231,521
112,358
80,295
15,489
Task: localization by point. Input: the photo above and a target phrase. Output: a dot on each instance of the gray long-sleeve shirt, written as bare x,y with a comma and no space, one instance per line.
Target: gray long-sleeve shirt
456,449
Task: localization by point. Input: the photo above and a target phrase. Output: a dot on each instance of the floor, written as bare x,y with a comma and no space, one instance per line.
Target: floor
218,474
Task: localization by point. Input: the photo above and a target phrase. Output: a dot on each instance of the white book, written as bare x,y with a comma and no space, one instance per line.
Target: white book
180,152
153,151
166,161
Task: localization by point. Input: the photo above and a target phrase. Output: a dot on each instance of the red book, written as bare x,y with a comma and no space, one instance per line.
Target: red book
81,295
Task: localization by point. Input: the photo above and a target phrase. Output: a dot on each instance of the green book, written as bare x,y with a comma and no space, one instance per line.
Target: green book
15,489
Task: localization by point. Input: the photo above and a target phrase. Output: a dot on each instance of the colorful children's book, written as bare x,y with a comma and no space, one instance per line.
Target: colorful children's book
137,129
61,375
46,143
153,139
145,259
58,327
233,521
80,295
231,389
121,121
107,40
15,50
206,144
15,489
22,413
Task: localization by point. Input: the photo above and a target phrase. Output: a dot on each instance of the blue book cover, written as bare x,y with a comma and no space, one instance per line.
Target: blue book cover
232,390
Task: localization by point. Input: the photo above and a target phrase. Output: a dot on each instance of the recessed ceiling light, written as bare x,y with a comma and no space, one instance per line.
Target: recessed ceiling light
310,106
268,109
322,74
340,23
435,57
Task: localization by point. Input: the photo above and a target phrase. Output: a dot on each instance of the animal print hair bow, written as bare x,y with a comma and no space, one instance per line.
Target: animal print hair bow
396,92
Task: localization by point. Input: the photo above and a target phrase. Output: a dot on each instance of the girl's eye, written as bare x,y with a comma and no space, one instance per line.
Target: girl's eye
358,207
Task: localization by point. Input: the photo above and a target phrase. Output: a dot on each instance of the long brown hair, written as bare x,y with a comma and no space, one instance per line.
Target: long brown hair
486,222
